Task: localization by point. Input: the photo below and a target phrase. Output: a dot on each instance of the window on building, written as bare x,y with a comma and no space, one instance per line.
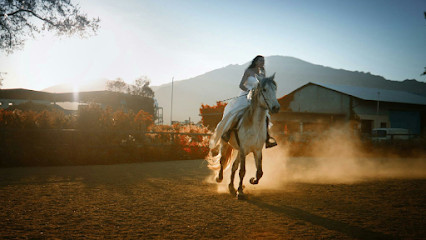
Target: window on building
383,125
366,126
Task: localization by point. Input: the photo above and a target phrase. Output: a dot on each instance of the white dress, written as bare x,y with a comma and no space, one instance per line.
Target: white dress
233,110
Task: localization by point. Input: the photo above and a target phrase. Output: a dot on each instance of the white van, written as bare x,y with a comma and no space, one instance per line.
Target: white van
388,134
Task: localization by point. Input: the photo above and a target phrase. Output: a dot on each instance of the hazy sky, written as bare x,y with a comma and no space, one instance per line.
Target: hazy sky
185,38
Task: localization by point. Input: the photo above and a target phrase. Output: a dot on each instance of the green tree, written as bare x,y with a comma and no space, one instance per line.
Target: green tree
141,87
20,19
117,85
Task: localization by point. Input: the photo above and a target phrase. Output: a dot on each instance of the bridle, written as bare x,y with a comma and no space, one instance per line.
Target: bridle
264,99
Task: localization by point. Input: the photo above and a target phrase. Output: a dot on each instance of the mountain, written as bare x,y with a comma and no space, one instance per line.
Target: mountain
291,73
97,85
221,84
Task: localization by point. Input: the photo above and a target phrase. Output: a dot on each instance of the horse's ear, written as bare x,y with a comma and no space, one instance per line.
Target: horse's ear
259,77
273,76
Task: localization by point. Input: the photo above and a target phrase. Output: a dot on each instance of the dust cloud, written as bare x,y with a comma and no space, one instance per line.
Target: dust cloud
335,157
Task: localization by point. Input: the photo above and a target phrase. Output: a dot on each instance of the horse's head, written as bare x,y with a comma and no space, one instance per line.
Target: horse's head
267,94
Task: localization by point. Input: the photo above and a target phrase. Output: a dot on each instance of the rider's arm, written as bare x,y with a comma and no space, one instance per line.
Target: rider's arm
244,80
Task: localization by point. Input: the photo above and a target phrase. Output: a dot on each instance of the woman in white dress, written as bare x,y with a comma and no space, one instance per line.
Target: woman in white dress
236,108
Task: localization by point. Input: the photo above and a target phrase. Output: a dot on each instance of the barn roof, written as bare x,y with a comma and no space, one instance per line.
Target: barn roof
113,99
376,94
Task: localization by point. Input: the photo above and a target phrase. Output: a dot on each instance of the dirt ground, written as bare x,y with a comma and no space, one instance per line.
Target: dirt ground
173,200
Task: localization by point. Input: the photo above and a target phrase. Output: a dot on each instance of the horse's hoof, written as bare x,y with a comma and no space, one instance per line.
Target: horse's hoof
254,181
232,191
241,196
218,180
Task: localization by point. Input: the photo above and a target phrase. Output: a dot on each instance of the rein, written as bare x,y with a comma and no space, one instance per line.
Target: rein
267,104
225,100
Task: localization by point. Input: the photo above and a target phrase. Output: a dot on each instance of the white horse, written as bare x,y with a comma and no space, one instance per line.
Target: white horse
248,137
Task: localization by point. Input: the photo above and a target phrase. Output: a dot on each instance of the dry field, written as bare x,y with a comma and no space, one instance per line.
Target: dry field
176,200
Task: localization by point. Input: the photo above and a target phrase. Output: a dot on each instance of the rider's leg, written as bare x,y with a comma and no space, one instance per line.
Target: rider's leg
227,135
270,141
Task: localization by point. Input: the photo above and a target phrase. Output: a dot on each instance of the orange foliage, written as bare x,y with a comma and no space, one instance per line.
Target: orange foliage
100,127
211,115
89,117
189,142
122,121
10,119
46,119
143,120
106,118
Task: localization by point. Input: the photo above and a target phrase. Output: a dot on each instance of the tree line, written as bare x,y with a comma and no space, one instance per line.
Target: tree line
140,87
90,117
94,135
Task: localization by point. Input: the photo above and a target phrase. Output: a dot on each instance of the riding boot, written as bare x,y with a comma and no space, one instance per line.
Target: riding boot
268,142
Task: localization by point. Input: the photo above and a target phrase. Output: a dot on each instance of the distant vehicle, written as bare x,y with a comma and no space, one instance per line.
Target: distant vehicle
389,134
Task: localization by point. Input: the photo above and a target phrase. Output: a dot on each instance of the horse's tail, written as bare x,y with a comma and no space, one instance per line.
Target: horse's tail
222,158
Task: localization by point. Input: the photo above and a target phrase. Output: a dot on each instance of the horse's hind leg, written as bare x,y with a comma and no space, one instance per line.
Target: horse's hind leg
219,177
234,169
225,151
259,172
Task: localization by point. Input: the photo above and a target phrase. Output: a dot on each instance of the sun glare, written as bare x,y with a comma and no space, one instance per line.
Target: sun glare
75,93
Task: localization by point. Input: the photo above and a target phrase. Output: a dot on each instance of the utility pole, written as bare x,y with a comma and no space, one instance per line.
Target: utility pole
171,105
377,112
378,101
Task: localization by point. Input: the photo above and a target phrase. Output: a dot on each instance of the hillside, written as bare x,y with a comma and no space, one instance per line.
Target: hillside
291,73
220,84
96,85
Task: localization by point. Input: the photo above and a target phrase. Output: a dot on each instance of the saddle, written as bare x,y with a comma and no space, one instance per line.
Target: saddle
227,136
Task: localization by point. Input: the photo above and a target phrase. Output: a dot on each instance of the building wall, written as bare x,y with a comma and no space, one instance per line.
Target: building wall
5,103
371,114
316,99
310,110
322,107
391,115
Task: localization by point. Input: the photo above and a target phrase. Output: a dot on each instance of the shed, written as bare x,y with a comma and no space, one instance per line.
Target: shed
316,106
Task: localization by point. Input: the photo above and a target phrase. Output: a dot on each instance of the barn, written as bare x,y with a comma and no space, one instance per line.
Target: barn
314,107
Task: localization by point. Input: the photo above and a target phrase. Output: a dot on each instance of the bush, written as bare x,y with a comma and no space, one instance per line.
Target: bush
102,136
211,115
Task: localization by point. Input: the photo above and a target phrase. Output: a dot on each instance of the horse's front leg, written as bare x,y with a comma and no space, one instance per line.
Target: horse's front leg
242,158
259,172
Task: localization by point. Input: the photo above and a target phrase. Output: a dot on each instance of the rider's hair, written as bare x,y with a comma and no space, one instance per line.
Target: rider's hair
253,62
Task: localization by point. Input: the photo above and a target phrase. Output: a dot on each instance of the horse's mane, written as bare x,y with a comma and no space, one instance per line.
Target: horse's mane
255,95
